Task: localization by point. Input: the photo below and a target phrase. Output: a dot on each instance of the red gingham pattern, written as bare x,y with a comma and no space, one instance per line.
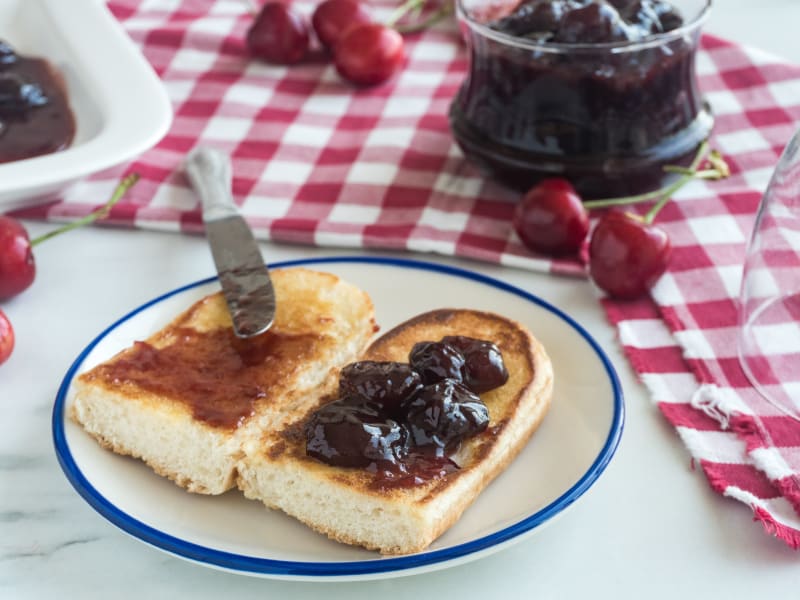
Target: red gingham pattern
319,162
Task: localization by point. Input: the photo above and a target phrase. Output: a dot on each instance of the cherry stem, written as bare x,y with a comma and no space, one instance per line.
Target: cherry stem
432,19
101,212
670,190
719,170
415,8
402,10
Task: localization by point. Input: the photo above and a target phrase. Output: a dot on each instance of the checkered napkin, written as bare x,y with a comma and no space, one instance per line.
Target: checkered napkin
317,161
683,341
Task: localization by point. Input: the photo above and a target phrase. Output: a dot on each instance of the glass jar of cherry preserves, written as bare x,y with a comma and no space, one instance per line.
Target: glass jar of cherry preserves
602,92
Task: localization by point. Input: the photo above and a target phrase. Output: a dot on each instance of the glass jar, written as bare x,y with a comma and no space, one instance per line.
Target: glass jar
607,116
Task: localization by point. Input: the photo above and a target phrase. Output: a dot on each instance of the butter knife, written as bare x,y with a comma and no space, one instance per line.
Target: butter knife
244,277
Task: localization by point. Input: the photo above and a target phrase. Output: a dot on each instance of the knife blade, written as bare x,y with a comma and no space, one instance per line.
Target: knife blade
245,279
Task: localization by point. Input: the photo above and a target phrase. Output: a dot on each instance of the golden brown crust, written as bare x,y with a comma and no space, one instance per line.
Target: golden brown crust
516,410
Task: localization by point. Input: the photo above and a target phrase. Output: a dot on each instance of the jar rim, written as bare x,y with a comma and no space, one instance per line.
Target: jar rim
653,41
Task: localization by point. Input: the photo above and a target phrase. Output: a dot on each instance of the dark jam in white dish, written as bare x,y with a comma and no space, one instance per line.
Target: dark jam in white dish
35,116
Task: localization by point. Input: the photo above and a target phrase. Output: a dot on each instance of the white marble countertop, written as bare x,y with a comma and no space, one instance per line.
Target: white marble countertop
651,527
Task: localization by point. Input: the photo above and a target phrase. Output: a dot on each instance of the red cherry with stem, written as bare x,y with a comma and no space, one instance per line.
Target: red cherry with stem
369,54
278,35
551,218
332,18
6,338
17,267
627,254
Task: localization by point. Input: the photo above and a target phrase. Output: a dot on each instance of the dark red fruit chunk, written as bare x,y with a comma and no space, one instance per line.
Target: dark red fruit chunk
350,433
389,384
445,413
644,16
332,18
669,16
536,20
484,368
551,218
627,256
592,24
17,267
435,361
6,338
369,54
278,35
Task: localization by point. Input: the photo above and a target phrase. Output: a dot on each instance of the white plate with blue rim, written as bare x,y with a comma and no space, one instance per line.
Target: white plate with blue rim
232,533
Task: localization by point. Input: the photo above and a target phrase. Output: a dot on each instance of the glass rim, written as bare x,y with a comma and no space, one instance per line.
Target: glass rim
654,41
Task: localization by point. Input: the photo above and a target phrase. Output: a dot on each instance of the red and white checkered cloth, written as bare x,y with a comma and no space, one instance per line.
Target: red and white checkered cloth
317,161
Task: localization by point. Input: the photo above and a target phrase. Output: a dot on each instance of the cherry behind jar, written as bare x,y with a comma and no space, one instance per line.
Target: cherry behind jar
602,93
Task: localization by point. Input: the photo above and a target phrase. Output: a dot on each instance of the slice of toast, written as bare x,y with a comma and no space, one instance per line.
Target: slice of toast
353,505
186,400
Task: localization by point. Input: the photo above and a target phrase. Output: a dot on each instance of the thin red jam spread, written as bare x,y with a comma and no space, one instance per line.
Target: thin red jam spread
35,116
606,119
219,376
403,420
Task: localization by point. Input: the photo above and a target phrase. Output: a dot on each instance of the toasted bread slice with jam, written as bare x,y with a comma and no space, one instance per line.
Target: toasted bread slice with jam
186,399
356,506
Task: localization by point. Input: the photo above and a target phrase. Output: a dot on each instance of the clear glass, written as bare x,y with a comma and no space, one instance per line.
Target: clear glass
607,116
769,332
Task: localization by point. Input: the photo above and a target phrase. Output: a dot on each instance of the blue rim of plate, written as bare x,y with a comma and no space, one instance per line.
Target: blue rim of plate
265,566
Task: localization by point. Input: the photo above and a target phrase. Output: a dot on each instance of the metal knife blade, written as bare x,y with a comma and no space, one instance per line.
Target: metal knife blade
244,277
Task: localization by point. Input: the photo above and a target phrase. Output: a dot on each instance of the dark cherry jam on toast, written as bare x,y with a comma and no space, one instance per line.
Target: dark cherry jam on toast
35,116
219,376
596,91
402,421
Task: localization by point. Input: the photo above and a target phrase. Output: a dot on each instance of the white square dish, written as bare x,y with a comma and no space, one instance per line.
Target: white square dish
120,107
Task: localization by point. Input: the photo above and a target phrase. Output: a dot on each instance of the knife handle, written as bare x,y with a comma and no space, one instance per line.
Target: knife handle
209,171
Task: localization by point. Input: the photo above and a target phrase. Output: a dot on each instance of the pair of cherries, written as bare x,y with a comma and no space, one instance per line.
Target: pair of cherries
364,52
627,253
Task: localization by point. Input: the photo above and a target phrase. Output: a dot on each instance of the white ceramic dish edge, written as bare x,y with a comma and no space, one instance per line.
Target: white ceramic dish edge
121,89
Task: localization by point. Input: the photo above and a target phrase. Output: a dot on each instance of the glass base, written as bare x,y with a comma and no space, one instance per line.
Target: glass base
594,176
769,351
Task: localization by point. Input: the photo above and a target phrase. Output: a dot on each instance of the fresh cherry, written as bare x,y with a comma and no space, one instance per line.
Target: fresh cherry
332,18
6,338
369,54
278,35
17,267
551,218
627,255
